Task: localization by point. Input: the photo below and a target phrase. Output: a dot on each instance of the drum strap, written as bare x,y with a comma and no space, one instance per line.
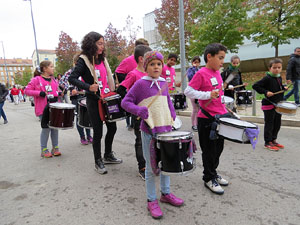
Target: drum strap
207,114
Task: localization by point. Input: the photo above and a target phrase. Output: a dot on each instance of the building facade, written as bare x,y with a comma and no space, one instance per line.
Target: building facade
44,54
9,68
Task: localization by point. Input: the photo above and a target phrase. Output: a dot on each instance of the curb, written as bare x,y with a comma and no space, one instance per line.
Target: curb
253,119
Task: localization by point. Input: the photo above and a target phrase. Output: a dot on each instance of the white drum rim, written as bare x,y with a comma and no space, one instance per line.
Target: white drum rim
228,98
112,97
284,107
169,136
82,104
60,105
223,121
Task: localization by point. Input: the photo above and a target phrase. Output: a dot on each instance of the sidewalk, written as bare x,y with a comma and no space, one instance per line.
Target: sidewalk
246,114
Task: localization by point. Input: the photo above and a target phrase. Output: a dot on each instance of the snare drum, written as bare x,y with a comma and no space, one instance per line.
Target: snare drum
244,97
228,101
113,109
179,101
286,108
173,153
61,115
83,116
234,130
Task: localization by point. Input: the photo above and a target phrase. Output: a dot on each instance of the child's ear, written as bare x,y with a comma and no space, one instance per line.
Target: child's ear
141,59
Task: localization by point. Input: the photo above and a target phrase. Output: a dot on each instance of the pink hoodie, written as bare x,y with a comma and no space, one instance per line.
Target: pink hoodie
35,86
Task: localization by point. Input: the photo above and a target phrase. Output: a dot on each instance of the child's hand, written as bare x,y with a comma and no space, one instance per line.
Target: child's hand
285,87
143,112
214,93
74,92
94,87
270,94
245,84
178,84
230,87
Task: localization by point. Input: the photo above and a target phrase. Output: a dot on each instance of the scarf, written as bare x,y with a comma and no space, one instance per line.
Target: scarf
231,67
154,81
273,75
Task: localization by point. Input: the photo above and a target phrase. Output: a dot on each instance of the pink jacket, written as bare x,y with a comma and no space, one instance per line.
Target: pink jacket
35,86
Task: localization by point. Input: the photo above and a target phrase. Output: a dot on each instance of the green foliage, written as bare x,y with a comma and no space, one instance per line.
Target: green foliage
65,52
218,21
23,78
275,22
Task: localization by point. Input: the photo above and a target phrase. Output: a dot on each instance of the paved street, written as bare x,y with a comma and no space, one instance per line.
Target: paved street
264,185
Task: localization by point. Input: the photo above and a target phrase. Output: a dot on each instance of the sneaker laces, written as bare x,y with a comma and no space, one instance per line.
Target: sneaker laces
214,183
45,150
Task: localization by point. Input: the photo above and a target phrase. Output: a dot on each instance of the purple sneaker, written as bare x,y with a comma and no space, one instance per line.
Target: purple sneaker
90,139
155,210
83,141
171,199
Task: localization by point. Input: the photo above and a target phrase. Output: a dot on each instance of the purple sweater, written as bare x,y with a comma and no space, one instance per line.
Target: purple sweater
141,94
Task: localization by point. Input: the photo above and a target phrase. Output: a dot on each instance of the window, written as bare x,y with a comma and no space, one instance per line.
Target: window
46,59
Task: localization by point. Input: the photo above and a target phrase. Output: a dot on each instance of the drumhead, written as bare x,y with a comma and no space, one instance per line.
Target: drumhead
82,102
237,123
228,99
287,105
177,123
174,135
59,105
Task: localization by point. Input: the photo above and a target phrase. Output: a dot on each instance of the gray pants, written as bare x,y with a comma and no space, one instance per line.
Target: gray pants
45,136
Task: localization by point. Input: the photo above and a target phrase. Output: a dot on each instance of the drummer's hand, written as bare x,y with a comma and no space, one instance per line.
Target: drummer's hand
94,87
214,93
245,84
285,87
117,85
178,84
270,94
230,87
74,92
288,81
143,112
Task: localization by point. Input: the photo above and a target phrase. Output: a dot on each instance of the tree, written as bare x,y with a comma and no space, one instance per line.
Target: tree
218,21
23,78
275,22
167,20
65,52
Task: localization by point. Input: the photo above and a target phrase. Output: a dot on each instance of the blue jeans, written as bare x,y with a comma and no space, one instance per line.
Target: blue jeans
294,91
2,113
149,175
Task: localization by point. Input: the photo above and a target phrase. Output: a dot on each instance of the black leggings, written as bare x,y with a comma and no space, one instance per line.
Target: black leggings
97,124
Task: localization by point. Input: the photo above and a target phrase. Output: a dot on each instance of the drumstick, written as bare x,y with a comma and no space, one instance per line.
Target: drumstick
237,86
95,79
233,113
278,92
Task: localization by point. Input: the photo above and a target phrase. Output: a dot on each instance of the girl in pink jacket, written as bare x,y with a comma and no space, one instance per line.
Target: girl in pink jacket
44,89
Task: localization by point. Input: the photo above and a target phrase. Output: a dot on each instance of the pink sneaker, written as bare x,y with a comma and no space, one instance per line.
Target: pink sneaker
155,210
90,139
171,199
83,141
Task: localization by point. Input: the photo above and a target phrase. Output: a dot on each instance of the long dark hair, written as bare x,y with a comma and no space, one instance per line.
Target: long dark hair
89,47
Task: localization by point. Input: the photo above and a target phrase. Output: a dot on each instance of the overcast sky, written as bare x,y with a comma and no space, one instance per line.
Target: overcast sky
76,18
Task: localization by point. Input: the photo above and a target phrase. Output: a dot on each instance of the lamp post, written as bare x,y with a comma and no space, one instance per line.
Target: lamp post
182,44
7,77
36,49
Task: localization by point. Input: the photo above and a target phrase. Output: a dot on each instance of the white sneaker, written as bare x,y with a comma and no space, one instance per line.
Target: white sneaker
222,181
214,186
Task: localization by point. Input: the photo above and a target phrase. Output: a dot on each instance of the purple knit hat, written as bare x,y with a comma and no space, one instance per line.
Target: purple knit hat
151,55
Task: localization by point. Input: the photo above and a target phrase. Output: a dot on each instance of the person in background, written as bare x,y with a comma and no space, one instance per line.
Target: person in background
169,74
293,75
125,86
3,94
15,94
268,85
75,96
127,65
190,74
44,89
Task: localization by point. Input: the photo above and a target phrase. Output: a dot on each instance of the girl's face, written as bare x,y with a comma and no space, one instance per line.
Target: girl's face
154,68
100,46
49,70
276,68
235,62
171,62
196,63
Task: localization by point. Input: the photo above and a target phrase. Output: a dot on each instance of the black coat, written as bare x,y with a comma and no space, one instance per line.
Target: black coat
272,84
3,93
293,68
237,80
